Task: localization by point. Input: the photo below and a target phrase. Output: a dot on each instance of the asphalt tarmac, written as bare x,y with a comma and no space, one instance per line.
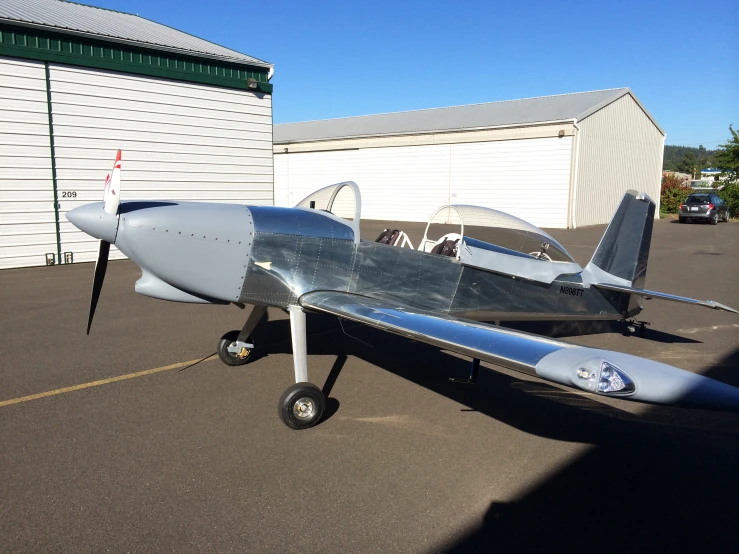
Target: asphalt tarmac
192,457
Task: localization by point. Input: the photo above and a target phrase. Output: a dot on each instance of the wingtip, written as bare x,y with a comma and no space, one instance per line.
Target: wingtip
719,306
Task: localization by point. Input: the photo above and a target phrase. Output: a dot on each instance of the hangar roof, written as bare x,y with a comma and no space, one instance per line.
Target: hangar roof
562,107
104,24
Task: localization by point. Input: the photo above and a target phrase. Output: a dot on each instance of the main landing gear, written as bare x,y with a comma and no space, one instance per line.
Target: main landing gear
301,405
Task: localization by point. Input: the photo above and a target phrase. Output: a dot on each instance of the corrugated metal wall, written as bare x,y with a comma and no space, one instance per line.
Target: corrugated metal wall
528,178
27,222
180,141
620,149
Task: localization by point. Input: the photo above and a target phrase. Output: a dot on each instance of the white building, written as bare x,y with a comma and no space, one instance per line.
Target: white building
556,161
194,121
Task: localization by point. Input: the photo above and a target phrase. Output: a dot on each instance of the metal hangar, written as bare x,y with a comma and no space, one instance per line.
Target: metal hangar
555,161
194,121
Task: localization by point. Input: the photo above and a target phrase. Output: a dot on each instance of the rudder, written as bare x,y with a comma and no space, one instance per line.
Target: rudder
624,249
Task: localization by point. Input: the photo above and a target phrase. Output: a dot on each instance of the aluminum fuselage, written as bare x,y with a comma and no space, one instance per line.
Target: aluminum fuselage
283,266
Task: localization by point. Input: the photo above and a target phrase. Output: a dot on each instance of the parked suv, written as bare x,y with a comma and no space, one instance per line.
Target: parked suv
704,206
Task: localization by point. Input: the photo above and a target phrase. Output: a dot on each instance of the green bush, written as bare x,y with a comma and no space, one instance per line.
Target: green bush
730,195
673,193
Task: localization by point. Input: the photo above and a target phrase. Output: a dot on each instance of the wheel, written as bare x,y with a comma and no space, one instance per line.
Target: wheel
231,358
726,216
714,219
681,219
301,406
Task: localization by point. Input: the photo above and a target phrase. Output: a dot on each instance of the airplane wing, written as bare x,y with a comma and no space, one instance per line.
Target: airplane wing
591,369
649,294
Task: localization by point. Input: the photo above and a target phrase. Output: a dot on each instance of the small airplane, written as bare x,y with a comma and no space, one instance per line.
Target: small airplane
311,258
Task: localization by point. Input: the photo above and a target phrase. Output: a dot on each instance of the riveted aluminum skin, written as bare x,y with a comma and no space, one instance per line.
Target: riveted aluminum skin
427,281
294,252
487,296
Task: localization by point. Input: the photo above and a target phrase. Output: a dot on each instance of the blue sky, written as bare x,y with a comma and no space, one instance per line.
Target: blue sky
336,59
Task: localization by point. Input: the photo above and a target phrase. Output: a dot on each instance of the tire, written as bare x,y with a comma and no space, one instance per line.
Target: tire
714,219
726,216
301,397
230,359
681,219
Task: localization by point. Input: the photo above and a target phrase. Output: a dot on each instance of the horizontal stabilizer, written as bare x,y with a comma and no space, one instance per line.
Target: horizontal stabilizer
602,372
648,294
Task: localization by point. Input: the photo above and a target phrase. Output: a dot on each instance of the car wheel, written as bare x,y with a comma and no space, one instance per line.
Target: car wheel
681,219
726,216
714,219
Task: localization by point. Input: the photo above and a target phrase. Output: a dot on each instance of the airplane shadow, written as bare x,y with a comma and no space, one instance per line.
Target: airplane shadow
562,329
665,480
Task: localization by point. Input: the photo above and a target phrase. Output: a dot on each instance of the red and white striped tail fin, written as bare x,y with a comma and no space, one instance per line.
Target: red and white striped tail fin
112,198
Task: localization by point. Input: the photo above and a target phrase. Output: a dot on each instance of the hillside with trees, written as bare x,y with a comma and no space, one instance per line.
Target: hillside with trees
685,158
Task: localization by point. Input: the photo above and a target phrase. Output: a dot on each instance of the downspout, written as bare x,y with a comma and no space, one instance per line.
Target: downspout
659,189
573,189
52,151
272,129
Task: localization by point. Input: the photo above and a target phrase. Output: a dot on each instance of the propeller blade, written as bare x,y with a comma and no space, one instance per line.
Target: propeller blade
97,281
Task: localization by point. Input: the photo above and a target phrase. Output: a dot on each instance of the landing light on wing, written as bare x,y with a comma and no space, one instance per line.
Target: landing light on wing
599,375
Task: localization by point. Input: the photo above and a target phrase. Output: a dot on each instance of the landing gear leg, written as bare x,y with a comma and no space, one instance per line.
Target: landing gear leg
236,347
472,379
632,325
302,405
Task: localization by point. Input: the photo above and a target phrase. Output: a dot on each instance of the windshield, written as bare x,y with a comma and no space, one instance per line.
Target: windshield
495,227
342,200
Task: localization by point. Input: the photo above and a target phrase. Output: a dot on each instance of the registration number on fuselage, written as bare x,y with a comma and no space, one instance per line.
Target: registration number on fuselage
572,291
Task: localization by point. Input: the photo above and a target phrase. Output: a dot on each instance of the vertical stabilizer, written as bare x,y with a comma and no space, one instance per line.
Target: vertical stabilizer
621,256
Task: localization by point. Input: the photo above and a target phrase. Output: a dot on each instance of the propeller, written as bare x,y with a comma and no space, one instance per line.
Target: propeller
97,280
111,201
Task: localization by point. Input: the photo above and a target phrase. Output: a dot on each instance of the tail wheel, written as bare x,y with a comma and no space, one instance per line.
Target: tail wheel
301,406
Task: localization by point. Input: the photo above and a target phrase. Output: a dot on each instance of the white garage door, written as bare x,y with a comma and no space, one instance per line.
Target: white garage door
180,141
27,222
528,178
402,184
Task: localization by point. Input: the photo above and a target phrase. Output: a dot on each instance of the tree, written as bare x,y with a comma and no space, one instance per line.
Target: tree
727,157
688,164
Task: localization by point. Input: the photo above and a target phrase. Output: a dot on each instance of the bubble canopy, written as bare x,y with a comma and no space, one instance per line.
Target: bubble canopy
482,227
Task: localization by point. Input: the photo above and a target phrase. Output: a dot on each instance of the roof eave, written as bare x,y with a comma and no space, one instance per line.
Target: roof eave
139,44
426,132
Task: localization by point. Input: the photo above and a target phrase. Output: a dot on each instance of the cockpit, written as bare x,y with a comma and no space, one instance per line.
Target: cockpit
473,235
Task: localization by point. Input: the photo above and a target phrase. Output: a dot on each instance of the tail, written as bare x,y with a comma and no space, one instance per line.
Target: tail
621,256
619,265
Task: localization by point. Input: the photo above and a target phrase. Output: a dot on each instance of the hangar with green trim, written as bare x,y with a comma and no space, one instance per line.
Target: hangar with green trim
193,119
